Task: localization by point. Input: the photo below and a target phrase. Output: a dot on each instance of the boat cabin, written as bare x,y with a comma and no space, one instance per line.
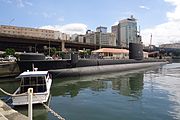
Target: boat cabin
36,80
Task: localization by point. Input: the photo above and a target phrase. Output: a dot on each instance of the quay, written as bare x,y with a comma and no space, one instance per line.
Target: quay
7,113
8,69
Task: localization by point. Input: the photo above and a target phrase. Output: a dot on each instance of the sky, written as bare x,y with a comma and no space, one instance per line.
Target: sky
161,18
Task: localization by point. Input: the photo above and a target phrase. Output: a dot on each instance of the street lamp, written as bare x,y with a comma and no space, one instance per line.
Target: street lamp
11,21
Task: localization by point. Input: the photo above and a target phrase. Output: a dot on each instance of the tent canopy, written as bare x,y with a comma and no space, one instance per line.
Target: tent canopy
110,50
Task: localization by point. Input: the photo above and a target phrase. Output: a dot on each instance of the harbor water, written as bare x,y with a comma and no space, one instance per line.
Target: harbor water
148,94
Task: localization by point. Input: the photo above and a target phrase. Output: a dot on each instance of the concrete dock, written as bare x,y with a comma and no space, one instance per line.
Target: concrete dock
7,113
8,69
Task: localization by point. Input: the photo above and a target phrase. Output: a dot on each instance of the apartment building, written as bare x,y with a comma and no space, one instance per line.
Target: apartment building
29,32
100,38
173,45
33,32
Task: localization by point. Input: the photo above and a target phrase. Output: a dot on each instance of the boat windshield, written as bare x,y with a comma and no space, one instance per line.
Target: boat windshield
37,83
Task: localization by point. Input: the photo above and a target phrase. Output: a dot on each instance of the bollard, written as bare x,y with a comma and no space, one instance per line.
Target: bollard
30,108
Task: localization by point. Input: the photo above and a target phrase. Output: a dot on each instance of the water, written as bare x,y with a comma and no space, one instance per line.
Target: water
149,94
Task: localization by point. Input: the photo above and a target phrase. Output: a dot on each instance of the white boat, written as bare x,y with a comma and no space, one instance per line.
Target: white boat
40,81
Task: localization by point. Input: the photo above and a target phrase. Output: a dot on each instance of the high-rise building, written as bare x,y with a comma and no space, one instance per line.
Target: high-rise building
126,32
115,31
101,29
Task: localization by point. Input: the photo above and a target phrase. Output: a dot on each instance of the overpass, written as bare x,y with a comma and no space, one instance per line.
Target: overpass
34,44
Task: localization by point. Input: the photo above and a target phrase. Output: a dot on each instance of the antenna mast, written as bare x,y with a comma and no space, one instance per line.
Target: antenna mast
139,30
151,40
150,45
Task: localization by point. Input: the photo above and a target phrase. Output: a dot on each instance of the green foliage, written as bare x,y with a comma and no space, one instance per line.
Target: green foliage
61,54
53,51
88,52
84,53
10,51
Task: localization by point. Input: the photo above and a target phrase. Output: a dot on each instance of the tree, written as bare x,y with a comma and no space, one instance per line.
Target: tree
10,51
52,51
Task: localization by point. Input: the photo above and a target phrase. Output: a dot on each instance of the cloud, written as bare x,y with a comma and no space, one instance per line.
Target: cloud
73,28
48,15
7,1
115,23
28,3
18,3
61,19
23,3
168,32
144,7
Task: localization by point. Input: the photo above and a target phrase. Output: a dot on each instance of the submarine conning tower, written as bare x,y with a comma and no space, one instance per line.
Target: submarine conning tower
135,51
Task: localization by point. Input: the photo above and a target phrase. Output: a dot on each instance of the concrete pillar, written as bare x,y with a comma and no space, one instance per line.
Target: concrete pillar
30,107
63,45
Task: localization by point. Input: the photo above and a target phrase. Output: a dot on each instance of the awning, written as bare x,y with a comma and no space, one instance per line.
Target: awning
110,50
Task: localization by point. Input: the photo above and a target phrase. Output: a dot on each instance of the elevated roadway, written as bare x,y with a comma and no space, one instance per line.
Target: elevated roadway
25,43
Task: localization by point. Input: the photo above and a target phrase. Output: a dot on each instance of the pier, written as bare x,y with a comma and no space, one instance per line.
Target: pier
7,113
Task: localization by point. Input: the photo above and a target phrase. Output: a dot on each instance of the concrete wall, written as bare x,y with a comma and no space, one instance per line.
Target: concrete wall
8,69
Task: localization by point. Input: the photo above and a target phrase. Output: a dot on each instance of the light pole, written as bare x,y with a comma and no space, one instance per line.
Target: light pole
11,21
49,47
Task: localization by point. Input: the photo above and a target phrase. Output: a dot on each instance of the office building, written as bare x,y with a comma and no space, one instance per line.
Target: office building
78,38
126,32
101,29
100,38
91,38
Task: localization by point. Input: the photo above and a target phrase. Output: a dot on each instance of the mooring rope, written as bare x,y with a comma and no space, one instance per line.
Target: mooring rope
12,95
49,109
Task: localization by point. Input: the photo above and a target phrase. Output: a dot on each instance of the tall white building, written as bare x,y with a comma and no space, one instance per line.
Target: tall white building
126,32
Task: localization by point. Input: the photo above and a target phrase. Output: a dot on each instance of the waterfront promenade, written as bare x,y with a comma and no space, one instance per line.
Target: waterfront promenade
7,113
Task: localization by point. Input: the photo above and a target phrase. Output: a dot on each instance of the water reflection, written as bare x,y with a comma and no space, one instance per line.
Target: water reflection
176,60
148,94
130,85
125,84
9,85
38,111
169,80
